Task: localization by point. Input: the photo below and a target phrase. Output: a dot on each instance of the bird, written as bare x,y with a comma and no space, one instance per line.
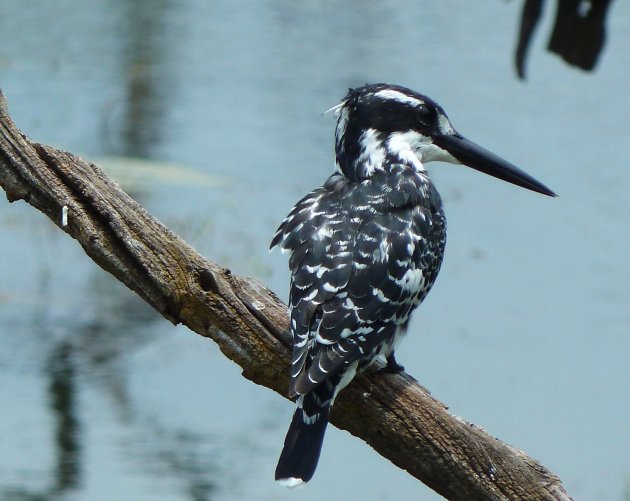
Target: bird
365,249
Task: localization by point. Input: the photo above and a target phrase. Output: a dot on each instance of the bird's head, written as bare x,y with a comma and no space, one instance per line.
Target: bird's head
380,125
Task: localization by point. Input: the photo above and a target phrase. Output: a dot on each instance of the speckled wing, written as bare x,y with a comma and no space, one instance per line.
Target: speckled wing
355,279
321,265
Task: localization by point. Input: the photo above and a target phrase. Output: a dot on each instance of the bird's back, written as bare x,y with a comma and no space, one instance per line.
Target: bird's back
363,255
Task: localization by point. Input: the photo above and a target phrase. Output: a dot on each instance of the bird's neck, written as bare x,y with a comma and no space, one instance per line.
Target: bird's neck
361,154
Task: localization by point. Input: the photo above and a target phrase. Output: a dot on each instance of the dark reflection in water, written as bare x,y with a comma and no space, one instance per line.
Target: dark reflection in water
63,403
176,454
93,352
145,86
120,325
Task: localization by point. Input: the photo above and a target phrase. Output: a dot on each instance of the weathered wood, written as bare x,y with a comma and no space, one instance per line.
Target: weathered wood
392,413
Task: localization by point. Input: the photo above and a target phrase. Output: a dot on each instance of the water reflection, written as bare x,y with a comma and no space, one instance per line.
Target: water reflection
176,454
90,350
145,80
63,404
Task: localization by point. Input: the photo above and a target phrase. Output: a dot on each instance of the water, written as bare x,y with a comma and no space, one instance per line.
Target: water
525,333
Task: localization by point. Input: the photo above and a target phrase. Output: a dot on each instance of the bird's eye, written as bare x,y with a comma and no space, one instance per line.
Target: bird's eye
426,116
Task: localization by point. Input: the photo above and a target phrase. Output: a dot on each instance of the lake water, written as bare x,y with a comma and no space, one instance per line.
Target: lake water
209,113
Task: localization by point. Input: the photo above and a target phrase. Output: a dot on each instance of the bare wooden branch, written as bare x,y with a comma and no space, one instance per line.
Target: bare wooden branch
398,418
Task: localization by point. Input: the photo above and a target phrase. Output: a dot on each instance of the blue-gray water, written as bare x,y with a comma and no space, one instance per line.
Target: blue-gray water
526,334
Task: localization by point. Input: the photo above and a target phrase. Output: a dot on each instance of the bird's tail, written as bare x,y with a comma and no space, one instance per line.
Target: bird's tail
304,439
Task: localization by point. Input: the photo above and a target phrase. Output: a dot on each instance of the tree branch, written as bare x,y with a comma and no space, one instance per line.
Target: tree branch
399,419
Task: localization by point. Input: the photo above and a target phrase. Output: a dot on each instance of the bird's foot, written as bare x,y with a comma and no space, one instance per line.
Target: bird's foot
392,366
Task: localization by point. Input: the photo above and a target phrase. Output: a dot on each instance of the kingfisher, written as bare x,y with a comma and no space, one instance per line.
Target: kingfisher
365,249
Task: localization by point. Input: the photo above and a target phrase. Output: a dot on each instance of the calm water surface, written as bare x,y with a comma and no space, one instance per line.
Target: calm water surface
526,334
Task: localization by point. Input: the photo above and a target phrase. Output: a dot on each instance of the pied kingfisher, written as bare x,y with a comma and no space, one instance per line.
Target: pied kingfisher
365,249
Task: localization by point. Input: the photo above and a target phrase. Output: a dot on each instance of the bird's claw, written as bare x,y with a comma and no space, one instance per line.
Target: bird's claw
392,367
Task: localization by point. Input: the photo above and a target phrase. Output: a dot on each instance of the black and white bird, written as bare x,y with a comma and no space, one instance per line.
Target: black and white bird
365,249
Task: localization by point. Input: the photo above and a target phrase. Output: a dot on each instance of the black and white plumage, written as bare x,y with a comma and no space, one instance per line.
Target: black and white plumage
365,249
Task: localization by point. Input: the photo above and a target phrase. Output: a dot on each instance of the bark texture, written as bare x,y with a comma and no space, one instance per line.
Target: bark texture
398,417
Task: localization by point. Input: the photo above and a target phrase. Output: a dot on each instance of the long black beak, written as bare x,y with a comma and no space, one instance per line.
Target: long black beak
473,155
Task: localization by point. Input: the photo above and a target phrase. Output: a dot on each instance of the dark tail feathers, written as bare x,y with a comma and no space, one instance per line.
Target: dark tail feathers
303,442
